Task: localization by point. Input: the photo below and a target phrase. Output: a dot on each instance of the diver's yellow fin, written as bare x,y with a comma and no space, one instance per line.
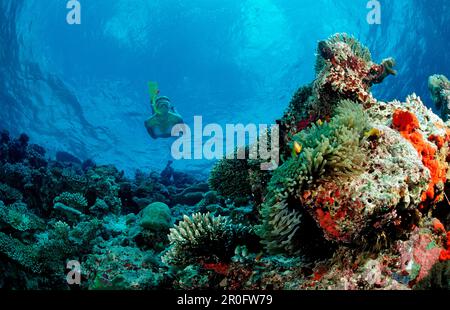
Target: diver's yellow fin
153,90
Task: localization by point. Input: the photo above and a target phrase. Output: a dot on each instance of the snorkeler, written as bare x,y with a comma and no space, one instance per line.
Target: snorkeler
164,117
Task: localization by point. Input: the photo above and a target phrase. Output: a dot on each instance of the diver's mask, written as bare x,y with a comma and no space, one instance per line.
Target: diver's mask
162,104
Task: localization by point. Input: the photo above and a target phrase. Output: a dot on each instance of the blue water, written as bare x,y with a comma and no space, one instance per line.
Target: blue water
83,88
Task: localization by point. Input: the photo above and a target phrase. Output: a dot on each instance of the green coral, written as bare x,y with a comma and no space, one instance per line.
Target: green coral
72,181
120,267
72,200
48,253
19,217
209,198
156,216
19,252
331,150
63,242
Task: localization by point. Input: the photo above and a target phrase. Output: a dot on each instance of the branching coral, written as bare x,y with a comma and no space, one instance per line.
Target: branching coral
50,251
19,217
202,238
72,181
20,253
72,200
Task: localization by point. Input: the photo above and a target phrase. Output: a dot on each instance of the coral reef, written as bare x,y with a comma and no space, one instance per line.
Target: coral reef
359,201
360,178
54,211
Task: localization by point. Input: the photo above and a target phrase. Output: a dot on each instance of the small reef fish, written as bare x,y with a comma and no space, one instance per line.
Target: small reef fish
373,133
296,149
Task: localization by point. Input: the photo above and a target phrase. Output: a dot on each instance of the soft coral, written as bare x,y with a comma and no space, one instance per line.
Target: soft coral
408,124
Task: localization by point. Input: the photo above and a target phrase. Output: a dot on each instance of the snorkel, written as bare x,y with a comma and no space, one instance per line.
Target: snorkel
160,104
